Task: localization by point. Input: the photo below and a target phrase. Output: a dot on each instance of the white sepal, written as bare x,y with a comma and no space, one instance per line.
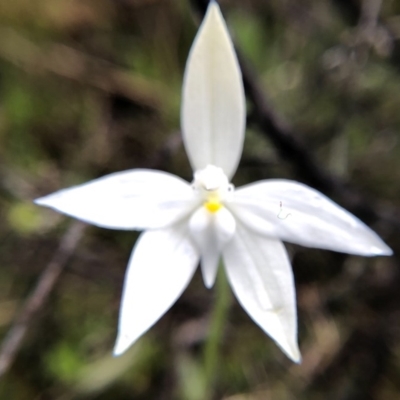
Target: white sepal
261,277
299,214
213,105
161,266
211,232
134,199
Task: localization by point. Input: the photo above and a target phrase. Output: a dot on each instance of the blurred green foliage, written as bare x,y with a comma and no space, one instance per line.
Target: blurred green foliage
91,87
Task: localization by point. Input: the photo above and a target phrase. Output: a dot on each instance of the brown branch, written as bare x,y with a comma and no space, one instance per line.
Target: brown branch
38,297
50,275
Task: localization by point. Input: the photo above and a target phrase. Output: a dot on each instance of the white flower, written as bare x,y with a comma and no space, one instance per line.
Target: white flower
207,219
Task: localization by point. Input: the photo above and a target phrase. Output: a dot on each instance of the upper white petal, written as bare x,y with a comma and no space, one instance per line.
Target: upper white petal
161,266
211,232
296,213
213,105
134,199
261,277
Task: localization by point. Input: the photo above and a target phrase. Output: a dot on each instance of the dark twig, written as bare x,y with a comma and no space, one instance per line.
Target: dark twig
295,152
17,332
290,148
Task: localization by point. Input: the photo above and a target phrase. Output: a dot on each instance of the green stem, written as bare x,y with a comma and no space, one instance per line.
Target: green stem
211,350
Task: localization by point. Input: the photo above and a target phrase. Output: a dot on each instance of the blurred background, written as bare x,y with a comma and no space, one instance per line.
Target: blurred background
90,87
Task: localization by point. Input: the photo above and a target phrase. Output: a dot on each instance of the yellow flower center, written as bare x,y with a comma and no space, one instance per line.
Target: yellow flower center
212,205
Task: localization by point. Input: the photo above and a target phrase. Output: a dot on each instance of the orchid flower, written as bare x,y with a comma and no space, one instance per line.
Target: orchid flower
207,219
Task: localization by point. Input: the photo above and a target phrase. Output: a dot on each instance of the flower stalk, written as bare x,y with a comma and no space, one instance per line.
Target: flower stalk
212,353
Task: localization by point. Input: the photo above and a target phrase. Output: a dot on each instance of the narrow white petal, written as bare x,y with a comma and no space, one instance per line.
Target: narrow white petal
296,213
261,277
213,106
161,266
211,232
134,199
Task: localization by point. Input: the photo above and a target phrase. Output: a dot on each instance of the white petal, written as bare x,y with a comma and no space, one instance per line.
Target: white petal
134,199
296,213
161,266
211,232
261,277
213,106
